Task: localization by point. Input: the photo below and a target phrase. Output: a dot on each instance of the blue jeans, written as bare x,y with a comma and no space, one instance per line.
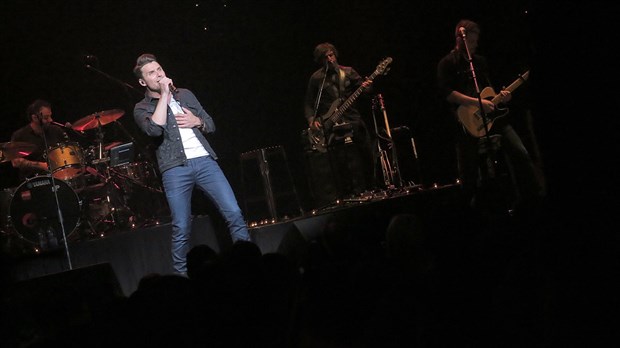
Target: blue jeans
179,182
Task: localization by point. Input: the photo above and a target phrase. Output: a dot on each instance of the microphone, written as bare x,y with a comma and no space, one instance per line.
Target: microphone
462,31
172,88
66,125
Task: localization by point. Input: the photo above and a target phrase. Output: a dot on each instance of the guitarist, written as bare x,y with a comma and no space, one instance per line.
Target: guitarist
329,86
457,86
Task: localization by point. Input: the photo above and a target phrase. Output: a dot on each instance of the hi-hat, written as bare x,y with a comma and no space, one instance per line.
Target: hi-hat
15,149
98,118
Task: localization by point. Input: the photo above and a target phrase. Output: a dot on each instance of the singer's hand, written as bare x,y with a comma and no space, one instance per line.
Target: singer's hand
187,119
164,85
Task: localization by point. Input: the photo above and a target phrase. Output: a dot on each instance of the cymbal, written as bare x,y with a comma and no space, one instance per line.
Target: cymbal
94,120
15,149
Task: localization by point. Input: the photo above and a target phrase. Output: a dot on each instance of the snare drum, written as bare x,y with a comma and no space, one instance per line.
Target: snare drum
34,213
66,160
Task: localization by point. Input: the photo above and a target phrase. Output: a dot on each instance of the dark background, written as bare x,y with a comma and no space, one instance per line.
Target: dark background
249,62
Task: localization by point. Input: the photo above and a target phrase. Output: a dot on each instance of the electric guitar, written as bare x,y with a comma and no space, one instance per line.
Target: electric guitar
471,117
333,116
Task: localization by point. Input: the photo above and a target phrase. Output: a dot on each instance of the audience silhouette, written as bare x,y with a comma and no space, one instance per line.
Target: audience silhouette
448,279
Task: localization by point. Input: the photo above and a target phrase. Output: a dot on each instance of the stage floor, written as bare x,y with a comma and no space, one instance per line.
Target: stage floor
137,252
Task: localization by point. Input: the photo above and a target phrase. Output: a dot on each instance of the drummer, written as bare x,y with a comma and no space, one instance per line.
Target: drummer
39,116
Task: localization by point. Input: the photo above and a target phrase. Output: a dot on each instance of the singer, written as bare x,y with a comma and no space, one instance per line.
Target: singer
178,123
460,86
349,148
39,118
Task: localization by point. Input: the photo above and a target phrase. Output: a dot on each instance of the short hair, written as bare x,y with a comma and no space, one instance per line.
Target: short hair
321,49
143,60
35,107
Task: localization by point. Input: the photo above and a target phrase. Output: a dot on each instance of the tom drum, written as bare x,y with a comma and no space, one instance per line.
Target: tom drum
66,160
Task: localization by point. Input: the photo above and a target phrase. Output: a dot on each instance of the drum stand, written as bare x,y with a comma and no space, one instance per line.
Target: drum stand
111,199
138,190
107,206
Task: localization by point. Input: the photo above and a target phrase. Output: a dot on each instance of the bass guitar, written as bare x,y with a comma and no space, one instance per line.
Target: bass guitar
333,116
470,116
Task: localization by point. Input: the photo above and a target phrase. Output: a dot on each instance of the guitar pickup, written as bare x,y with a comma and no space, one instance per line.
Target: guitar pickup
340,127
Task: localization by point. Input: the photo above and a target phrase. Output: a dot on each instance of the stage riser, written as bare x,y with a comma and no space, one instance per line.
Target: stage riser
132,254
136,253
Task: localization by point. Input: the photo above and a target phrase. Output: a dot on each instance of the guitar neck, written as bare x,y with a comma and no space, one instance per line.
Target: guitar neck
350,100
340,109
347,103
518,82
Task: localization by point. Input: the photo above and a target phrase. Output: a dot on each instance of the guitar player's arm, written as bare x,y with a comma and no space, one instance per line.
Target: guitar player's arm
456,97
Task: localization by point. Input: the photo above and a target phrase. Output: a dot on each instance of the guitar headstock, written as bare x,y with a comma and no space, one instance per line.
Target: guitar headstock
525,75
382,68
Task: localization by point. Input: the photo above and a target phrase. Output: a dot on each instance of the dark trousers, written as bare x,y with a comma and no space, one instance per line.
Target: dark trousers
503,169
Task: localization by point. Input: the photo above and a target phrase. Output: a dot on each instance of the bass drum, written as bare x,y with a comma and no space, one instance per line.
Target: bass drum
34,213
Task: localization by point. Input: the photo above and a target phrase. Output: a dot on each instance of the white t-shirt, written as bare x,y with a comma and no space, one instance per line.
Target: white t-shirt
191,145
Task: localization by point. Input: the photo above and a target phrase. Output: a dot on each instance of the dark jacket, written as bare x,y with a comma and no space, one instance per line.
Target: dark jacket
331,92
169,150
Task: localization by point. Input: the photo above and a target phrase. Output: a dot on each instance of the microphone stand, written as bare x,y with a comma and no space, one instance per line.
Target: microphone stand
322,130
485,146
125,85
55,190
317,101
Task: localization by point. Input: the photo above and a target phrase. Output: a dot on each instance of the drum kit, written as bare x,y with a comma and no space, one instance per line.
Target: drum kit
87,194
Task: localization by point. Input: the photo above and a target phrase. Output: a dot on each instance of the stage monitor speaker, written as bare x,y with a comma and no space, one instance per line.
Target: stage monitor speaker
55,301
96,280
268,188
55,304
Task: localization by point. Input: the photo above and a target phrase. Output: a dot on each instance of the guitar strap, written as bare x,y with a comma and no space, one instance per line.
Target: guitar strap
341,84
